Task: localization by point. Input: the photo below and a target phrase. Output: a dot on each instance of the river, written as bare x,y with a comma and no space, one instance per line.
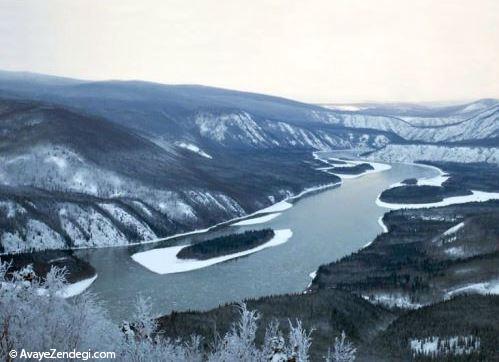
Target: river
326,226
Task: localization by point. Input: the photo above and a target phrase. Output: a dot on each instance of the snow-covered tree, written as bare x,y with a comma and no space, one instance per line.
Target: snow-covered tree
274,346
35,316
299,341
342,350
239,343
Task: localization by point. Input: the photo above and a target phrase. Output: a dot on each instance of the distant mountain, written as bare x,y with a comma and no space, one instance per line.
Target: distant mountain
414,109
475,123
241,119
205,116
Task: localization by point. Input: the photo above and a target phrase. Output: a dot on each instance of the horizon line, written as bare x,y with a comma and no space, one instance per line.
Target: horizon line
442,102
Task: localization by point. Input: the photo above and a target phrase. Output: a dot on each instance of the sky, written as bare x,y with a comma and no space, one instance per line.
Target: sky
330,51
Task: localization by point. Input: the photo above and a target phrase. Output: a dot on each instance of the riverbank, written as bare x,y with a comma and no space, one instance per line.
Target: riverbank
412,286
155,259
456,183
425,256
325,227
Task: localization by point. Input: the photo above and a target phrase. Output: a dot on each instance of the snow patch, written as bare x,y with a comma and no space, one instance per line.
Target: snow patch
194,148
257,220
392,300
74,289
437,346
142,229
57,160
382,224
277,207
454,229
491,287
433,181
455,251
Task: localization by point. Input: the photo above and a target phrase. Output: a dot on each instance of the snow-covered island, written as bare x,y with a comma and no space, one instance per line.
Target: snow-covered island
457,186
166,261
347,168
226,245
476,196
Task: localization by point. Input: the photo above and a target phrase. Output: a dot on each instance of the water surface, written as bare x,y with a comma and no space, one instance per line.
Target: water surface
326,226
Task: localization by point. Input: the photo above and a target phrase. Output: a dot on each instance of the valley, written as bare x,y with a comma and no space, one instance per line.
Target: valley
380,214
420,269
320,233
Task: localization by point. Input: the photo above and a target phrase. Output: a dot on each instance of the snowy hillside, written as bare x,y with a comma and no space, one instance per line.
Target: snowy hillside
241,129
411,153
72,180
472,122
98,163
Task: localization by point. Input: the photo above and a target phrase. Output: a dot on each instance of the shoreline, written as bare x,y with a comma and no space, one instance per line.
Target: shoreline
76,288
273,208
257,220
276,207
476,196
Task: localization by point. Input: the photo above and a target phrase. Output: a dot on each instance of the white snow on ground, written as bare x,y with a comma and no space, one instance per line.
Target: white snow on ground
314,189
57,160
165,261
411,153
455,251
194,148
74,289
378,167
382,224
312,276
454,229
392,300
257,220
38,236
437,346
491,287
277,207
476,196
103,232
178,210
143,207
125,218
11,209
383,227
433,181
367,244
58,259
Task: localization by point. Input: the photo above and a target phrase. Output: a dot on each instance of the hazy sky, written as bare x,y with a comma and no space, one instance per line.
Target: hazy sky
316,51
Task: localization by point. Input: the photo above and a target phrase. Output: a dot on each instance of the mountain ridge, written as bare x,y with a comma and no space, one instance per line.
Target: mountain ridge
134,160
